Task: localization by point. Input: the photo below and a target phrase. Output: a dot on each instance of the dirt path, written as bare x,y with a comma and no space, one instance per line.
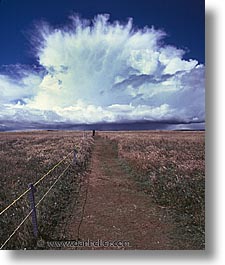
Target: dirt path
112,208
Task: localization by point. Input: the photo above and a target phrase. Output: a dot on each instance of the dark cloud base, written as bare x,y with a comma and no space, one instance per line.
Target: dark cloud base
18,126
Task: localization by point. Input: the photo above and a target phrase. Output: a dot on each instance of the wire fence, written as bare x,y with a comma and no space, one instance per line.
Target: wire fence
29,190
35,184
36,205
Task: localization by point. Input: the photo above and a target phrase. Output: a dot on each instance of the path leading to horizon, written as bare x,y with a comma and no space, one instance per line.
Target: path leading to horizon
112,207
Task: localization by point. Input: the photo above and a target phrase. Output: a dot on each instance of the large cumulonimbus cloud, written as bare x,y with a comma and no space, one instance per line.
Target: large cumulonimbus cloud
97,71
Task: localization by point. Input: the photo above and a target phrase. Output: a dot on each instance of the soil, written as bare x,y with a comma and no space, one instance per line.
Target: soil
111,207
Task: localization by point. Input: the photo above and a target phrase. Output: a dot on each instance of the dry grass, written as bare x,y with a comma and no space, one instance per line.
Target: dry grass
25,157
168,165
171,167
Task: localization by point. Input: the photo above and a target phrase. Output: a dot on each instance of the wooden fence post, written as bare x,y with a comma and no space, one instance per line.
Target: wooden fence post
75,156
33,208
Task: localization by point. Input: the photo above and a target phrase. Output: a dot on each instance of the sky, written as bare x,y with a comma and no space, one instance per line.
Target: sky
102,61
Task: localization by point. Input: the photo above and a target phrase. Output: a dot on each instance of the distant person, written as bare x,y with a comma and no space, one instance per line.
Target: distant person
93,133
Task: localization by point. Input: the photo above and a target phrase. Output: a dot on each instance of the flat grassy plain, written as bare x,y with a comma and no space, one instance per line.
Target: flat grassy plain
25,157
170,166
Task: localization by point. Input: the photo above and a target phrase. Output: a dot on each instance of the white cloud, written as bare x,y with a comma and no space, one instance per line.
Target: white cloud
14,89
105,72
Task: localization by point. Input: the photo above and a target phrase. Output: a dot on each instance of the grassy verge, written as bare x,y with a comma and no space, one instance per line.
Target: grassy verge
184,201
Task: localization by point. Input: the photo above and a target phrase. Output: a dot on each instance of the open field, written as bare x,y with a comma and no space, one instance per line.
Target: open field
153,173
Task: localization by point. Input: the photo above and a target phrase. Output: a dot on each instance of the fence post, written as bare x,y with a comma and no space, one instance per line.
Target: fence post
33,208
75,156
